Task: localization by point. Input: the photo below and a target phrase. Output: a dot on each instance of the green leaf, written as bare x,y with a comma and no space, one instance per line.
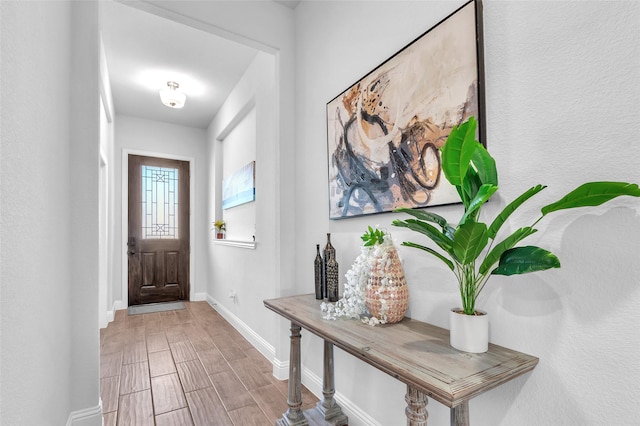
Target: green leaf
469,241
424,215
485,192
481,171
429,217
458,150
506,212
372,237
522,260
430,231
433,252
485,165
592,194
508,243
470,185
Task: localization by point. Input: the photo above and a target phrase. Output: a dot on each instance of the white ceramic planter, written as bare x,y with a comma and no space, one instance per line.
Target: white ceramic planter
469,333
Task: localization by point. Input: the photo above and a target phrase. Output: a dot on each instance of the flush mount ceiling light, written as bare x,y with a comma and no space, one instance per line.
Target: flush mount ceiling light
171,96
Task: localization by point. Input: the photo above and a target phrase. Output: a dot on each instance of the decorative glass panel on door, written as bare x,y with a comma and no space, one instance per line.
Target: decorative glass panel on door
159,203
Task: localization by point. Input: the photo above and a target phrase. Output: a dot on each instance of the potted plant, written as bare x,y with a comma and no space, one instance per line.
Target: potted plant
376,290
386,292
220,228
471,249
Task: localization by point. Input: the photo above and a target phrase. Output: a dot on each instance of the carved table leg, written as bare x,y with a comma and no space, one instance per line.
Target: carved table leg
460,415
328,407
416,410
294,415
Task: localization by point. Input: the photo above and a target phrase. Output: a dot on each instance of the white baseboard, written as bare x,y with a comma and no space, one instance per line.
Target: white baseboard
118,304
313,382
280,369
112,313
199,297
357,417
264,347
88,417
110,316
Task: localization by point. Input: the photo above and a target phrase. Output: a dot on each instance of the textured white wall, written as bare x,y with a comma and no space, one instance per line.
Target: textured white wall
562,93
107,115
84,217
251,274
35,317
49,279
154,137
238,150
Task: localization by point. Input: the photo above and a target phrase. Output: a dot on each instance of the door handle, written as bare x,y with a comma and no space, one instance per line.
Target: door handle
132,246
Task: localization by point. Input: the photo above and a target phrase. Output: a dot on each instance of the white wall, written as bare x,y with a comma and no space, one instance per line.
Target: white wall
562,98
84,216
148,137
239,149
269,28
251,274
107,213
49,352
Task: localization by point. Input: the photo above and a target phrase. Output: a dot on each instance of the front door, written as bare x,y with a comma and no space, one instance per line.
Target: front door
158,241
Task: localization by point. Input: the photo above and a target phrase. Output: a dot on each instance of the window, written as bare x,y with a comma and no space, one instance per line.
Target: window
159,203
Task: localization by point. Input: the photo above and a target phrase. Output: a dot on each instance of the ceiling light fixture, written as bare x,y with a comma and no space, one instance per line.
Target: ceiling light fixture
171,96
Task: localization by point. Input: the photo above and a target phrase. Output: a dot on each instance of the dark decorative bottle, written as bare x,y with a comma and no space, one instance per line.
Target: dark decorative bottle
318,266
328,253
332,279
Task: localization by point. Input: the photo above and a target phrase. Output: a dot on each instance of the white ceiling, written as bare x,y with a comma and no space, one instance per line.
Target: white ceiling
145,51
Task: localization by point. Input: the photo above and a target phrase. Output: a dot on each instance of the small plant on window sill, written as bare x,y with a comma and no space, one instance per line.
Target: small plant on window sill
220,227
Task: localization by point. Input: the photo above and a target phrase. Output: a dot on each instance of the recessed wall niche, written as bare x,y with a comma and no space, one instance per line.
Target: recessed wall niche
237,149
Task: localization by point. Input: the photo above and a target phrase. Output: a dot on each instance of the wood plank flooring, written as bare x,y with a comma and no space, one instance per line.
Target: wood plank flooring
186,367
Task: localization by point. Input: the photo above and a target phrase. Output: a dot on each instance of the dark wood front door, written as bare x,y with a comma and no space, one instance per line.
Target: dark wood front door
158,243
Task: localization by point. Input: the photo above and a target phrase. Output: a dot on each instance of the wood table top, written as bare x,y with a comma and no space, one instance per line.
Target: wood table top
414,352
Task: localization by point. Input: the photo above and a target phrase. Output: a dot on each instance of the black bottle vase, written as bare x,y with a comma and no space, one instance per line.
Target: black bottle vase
328,253
318,267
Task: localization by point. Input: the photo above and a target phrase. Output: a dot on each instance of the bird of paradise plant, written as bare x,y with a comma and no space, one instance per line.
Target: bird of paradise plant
471,248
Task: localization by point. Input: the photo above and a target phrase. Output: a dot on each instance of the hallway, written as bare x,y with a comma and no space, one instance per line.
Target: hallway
186,367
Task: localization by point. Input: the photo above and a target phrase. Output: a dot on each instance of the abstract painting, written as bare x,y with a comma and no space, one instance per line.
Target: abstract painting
239,187
384,132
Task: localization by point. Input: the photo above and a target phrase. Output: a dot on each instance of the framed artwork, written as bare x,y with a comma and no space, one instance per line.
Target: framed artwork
239,187
384,132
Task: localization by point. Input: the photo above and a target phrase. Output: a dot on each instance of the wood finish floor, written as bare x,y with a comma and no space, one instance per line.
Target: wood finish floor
186,367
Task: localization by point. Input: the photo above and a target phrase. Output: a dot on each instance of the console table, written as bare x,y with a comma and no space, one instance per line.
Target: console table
416,353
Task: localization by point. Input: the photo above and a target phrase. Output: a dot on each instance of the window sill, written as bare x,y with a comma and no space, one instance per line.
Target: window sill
251,245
